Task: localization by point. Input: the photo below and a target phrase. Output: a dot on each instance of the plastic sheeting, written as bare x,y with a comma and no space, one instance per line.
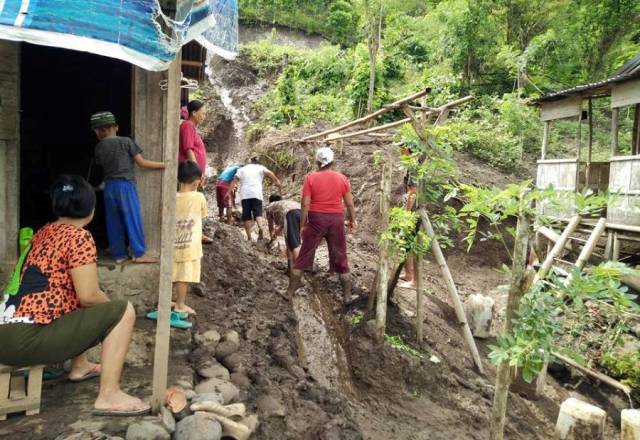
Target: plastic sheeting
136,31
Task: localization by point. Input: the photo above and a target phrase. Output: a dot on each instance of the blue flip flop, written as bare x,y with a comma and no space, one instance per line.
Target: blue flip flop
175,320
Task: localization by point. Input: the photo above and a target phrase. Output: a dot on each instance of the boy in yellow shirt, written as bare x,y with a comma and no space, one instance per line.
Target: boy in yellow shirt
191,208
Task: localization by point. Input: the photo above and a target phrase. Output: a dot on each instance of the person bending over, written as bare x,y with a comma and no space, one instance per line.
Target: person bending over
250,178
59,311
224,196
283,217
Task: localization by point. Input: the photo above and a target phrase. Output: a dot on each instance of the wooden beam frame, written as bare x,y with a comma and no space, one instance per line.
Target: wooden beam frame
171,108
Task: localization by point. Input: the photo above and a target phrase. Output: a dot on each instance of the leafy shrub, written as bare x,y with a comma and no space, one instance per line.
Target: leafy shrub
625,367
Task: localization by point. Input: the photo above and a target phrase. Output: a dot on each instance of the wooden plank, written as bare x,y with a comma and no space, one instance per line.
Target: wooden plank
565,108
453,291
626,93
171,107
18,389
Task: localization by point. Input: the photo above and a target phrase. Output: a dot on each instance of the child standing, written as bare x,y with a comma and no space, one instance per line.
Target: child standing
117,155
191,208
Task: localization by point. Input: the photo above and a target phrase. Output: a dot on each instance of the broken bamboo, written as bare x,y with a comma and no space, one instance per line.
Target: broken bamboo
453,291
368,117
589,372
370,130
559,245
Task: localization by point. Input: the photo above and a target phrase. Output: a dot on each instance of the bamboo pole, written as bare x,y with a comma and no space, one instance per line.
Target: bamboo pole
545,140
366,118
589,372
553,236
579,148
167,231
370,130
591,243
419,274
383,268
453,291
518,287
616,247
555,251
614,130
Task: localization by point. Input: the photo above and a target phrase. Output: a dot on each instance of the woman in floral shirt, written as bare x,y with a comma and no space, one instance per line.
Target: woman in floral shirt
59,311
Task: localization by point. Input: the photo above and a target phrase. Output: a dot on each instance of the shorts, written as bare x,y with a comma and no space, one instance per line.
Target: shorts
293,229
321,226
222,190
186,271
64,338
251,209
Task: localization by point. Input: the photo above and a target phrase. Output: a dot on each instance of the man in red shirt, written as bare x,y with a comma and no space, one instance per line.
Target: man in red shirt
322,217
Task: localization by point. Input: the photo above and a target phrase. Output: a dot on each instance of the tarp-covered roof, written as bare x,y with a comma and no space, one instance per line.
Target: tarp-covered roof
136,31
630,70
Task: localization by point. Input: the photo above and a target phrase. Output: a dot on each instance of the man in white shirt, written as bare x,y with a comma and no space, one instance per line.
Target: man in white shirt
250,177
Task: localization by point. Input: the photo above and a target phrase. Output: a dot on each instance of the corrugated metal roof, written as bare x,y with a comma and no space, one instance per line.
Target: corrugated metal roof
630,70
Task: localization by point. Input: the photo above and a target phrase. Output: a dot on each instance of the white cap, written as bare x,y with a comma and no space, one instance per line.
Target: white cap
324,156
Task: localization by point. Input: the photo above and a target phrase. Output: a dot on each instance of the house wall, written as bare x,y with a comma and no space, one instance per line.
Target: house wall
9,154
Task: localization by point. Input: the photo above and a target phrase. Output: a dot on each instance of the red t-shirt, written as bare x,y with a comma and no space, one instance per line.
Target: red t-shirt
326,189
191,140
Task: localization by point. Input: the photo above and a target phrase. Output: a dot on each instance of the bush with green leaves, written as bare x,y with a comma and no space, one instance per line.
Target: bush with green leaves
403,235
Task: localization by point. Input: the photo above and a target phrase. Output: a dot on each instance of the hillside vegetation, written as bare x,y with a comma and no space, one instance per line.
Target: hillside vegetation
502,52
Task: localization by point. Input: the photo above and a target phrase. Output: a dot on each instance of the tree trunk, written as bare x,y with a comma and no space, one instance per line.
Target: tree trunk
375,27
383,265
517,289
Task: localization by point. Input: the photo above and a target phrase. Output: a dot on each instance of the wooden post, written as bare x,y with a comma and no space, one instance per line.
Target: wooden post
616,247
545,140
383,264
614,131
608,249
579,148
557,247
587,175
453,291
419,274
171,107
518,287
635,133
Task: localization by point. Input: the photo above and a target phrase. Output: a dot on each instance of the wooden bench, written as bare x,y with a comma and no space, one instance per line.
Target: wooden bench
20,390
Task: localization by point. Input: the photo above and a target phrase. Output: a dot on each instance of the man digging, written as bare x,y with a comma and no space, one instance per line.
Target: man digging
322,217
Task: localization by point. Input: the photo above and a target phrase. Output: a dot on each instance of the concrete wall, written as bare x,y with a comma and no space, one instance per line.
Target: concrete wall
9,154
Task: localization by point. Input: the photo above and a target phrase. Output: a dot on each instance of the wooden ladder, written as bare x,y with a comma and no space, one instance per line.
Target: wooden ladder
20,390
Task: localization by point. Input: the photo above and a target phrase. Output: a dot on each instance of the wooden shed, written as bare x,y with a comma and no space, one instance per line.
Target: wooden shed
619,174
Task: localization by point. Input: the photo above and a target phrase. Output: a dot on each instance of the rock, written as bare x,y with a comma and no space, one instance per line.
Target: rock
198,426
235,362
212,369
190,394
269,406
184,384
479,310
76,436
225,348
252,334
167,419
630,424
232,336
227,389
198,289
212,397
208,339
147,429
578,420
240,380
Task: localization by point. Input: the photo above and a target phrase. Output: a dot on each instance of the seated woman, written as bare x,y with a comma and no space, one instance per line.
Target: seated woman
60,312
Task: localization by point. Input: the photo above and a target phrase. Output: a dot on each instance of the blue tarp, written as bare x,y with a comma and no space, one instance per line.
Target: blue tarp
136,31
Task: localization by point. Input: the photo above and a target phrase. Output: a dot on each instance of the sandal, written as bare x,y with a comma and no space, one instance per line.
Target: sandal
122,411
176,319
207,240
94,372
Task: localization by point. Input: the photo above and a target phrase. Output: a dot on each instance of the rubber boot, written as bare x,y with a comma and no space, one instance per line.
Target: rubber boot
295,281
345,282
